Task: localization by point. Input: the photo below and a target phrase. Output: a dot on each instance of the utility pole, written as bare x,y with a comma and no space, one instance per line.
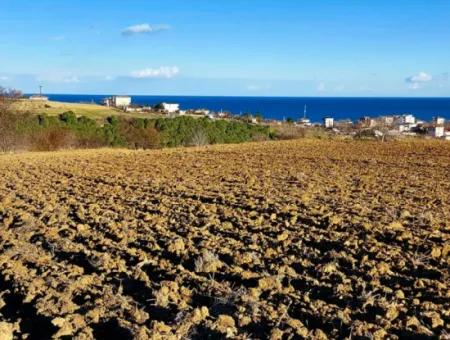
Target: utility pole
40,90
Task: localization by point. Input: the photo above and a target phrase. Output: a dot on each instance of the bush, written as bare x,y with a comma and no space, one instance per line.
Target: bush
53,139
199,138
45,133
183,130
289,131
138,135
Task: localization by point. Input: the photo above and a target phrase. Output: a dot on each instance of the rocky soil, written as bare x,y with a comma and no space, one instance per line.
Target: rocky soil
280,240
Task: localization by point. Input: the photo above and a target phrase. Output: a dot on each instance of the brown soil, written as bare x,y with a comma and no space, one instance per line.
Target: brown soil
299,239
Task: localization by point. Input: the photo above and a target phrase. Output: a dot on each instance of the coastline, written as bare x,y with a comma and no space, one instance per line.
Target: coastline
353,108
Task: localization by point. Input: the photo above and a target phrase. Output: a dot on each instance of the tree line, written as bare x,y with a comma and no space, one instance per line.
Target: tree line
25,131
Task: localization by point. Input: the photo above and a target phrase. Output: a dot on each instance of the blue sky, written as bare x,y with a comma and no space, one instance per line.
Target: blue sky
227,47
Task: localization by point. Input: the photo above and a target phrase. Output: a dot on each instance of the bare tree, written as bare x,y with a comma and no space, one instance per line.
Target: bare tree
199,138
8,120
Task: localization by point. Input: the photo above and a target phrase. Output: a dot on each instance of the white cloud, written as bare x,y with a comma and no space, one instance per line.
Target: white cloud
321,87
416,81
422,77
145,29
160,72
4,78
109,78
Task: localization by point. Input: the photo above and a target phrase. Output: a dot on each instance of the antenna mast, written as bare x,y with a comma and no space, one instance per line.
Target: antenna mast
40,90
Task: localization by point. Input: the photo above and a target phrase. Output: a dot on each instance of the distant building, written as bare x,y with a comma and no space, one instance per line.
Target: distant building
387,120
121,101
420,122
304,121
368,122
211,115
437,131
406,119
203,112
38,97
223,114
438,120
405,123
328,122
134,108
170,107
447,135
118,101
107,102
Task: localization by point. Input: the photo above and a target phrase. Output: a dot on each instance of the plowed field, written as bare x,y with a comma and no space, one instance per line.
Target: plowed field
302,239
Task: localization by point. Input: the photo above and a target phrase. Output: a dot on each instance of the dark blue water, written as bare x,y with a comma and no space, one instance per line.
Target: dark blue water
284,107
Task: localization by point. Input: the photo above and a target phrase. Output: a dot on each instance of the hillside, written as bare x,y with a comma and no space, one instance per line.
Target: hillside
93,111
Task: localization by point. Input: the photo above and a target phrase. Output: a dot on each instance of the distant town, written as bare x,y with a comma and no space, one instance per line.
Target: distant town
395,125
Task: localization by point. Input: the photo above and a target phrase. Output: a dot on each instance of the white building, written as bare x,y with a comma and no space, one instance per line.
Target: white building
117,101
328,122
406,119
203,112
403,127
367,121
134,109
170,108
304,122
107,102
405,123
121,101
387,120
438,120
38,97
436,131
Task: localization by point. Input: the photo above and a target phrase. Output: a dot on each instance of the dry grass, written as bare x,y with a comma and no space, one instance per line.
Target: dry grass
89,110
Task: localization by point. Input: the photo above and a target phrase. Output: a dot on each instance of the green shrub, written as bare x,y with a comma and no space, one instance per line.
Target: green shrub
67,130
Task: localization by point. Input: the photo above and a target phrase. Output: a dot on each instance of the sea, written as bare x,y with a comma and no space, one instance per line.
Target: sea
292,107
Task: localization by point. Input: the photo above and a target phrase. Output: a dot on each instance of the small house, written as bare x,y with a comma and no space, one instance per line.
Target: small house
436,131
368,122
38,97
328,122
438,120
170,107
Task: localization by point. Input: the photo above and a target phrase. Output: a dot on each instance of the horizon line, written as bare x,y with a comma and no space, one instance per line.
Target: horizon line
241,96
